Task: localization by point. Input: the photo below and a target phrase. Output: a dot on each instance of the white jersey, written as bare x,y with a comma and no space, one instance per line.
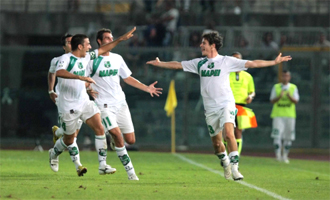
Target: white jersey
106,72
214,78
52,69
73,91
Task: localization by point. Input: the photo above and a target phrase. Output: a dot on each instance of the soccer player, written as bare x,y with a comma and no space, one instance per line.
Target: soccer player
74,104
218,99
106,71
284,96
242,85
66,45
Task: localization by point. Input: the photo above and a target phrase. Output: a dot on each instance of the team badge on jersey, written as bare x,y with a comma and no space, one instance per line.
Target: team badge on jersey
210,66
80,66
93,55
107,64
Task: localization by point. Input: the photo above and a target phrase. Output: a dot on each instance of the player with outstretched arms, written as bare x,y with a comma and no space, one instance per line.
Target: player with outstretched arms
74,104
218,99
106,71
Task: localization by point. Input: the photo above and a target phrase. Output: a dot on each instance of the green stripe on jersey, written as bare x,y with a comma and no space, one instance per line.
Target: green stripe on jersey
96,64
200,63
71,64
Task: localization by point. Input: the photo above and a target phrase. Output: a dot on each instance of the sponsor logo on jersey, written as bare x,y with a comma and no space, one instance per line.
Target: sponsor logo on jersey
79,73
209,73
109,72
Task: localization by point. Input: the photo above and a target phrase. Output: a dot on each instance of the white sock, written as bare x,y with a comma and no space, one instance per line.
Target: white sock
278,147
234,158
59,132
287,145
224,158
74,153
125,160
101,148
59,147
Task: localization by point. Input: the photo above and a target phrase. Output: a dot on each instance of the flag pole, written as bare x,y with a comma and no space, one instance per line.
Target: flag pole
173,132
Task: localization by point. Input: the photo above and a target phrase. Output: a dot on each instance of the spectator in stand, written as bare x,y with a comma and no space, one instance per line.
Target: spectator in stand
133,55
194,39
207,4
170,20
322,41
268,41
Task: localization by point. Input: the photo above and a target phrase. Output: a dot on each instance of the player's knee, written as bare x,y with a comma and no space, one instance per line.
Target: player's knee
130,140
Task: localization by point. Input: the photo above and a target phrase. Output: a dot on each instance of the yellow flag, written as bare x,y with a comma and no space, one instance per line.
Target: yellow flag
171,101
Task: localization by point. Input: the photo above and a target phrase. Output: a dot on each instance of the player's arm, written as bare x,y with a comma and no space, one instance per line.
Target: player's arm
265,63
106,48
51,83
277,98
151,89
166,65
62,73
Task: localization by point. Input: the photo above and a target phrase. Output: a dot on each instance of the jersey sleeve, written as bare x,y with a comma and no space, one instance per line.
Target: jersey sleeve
272,93
52,68
63,62
191,65
124,71
234,64
296,94
251,87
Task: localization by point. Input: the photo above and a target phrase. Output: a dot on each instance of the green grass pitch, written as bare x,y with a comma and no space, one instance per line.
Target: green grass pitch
27,175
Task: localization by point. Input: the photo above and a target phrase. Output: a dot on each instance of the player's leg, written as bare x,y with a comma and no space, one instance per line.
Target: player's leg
239,139
220,151
213,125
276,134
288,136
126,127
69,123
92,118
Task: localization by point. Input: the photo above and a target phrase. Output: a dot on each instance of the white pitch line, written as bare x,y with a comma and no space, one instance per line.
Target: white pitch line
272,194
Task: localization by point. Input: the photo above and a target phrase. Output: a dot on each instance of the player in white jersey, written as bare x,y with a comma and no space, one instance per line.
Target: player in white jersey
74,104
218,99
106,71
66,45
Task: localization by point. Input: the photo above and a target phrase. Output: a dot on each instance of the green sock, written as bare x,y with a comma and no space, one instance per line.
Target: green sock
239,145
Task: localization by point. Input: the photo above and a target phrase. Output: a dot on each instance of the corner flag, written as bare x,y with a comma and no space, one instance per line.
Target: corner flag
171,101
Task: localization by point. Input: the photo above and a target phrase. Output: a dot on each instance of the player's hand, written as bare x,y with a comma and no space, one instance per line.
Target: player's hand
93,93
87,79
155,62
53,96
127,35
153,90
280,59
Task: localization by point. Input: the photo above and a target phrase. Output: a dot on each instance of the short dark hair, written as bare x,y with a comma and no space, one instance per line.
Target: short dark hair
214,38
99,34
236,53
63,38
285,71
76,40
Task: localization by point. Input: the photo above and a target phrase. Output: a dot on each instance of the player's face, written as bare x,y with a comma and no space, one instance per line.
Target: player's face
107,38
286,78
67,47
205,47
86,47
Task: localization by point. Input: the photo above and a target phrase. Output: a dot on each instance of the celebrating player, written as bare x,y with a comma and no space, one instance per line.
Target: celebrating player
74,104
106,71
218,99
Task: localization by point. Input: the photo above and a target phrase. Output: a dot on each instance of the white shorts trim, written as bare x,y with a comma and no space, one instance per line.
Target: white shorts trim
215,120
117,116
72,121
